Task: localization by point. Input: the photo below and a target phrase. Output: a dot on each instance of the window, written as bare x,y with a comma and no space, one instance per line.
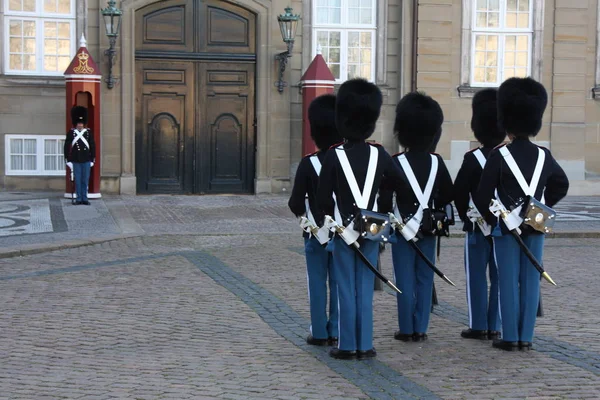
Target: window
39,36
345,32
500,39
34,155
502,34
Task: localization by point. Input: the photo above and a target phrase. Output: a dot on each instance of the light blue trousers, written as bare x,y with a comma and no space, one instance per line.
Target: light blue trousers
355,282
519,284
414,278
319,267
81,172
483,313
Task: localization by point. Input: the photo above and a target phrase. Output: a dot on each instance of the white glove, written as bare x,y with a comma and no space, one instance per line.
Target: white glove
70,165
91,164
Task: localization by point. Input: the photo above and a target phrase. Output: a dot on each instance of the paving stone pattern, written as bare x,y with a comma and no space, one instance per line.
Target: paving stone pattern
207,316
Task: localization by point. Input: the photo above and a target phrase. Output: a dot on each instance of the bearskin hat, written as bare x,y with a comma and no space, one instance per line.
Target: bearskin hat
484,122
79,115
321,116
521,106
418,122
357,108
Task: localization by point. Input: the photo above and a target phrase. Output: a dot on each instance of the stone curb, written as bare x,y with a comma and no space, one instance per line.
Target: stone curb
48,247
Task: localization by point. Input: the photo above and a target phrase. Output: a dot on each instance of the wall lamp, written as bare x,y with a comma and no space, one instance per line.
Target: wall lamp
288,23
112,20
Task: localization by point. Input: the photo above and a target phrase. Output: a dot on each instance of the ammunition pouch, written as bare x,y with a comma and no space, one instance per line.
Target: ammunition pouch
537,216
436,222
372,225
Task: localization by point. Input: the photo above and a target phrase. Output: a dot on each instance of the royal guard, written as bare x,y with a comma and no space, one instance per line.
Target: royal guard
484,318
80,152
352,172
303,203
519,184
420,211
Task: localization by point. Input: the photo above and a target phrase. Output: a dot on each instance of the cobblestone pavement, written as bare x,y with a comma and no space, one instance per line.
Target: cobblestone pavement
200,316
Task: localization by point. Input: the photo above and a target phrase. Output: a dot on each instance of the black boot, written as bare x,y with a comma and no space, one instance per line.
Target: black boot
342,354
361,355
525,346
474,334
405,337
316,342
493,335
332,341
503,345
419,337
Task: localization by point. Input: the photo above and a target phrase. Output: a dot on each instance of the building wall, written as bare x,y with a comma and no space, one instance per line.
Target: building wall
568,71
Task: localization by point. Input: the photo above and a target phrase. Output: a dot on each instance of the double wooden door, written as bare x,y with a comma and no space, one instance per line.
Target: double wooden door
195,117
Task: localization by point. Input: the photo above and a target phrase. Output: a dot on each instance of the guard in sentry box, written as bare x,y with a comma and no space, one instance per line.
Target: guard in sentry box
484,318
303,202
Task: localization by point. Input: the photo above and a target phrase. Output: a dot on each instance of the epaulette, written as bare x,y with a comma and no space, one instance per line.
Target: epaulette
472,150
500,145
336,145
311,154
398,154
374,143
434,153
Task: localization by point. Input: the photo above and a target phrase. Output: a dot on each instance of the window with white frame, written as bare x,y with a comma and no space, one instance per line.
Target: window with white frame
34,155
501,46
39,36
345,31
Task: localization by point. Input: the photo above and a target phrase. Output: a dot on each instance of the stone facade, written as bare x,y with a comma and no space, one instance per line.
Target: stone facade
567,62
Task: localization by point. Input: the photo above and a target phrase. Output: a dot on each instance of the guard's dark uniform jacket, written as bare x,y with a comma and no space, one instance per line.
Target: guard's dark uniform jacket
80,153
333,179
466,184
497,175
306,183
406,201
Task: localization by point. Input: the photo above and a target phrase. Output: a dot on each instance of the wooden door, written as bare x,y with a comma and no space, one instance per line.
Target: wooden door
226,129
195,122
164,121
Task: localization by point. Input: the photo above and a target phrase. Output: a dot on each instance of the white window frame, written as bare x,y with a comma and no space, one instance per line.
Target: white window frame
40,156
39,16
467,88
344,28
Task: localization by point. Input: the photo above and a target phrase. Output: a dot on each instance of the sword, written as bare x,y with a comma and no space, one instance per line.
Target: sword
351,239
497,208
400,226
72,188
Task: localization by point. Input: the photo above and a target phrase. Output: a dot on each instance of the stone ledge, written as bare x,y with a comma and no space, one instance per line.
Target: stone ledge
467,92
34,81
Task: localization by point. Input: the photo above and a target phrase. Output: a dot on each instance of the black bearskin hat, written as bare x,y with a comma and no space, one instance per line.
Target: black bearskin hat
418,122
321,116
521,106
484,122
357,108
79,115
